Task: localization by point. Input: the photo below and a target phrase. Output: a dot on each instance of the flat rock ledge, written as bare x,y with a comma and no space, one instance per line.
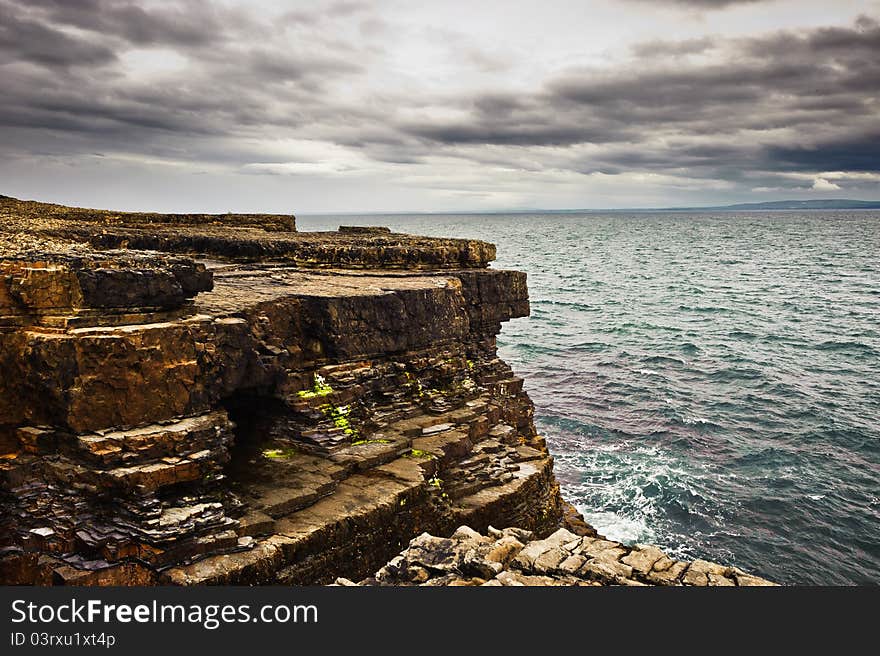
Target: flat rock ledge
513,557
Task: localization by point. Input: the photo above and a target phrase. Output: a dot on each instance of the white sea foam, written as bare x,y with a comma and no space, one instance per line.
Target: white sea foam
618,528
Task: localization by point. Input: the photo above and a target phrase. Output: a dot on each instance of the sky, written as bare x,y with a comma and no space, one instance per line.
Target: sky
408,106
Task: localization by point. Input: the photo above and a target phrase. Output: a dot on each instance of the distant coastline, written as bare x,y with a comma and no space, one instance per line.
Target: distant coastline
823,204
779,205
829,204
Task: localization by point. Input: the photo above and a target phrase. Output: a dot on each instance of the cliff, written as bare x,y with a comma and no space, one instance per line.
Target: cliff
260,406
197,399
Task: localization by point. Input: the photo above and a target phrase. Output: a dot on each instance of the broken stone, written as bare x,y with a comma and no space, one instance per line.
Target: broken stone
718,580
438,554
669,575
475,563
467,533
549,560
695,577
504,550
43,532
747,580
643,558
437,428
572,564
608,572
417,574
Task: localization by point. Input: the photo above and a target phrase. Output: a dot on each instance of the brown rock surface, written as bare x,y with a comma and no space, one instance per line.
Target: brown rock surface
287,408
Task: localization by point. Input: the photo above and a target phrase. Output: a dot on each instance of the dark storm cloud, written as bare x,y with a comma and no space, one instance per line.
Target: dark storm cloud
819,88
30,40
231,84
862,39
861,154
188,24
513,132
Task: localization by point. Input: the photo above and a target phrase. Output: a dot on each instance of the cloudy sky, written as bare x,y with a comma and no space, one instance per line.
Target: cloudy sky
401,105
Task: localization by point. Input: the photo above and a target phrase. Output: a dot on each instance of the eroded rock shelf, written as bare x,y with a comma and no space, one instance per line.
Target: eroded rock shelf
219,399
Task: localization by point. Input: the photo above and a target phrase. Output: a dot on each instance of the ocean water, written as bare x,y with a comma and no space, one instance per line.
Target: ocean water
709,383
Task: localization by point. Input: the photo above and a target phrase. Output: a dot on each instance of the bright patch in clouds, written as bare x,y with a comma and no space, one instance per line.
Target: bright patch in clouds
821,184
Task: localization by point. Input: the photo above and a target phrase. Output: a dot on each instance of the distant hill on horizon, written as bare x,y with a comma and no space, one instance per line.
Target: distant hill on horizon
825,204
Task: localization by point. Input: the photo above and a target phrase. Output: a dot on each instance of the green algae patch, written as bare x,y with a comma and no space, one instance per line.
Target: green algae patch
418,453
320,388
338,414
376,441
279,454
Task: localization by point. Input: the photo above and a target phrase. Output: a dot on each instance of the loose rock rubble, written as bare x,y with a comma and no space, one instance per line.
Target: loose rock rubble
514,557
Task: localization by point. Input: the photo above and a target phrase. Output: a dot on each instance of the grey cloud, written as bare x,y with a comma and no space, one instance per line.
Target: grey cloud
861,153
185,24
486,61
286,67
348,7
662,48
863,38
235,88
702,4
26,40
334,10
509,134
825,83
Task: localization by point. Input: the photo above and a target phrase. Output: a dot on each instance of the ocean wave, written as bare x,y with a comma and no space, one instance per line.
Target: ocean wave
661,359
729,374
707,309
539,303
846,347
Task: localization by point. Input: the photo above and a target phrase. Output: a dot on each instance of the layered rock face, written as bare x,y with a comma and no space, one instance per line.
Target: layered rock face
514,557
197,399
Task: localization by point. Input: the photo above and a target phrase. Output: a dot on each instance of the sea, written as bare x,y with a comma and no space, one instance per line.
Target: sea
707,382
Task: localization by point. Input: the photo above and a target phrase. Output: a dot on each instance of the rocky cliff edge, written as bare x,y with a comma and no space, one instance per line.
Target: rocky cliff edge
219,399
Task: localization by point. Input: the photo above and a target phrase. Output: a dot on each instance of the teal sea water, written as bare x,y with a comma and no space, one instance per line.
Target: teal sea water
707,382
